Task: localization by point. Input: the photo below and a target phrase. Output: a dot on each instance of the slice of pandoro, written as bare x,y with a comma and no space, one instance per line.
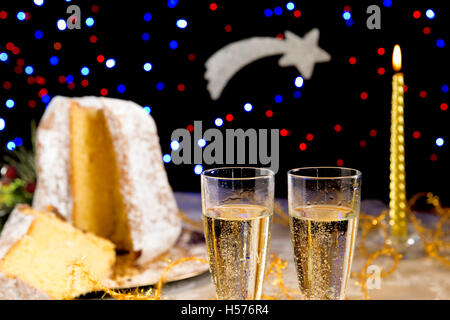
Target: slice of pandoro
44,257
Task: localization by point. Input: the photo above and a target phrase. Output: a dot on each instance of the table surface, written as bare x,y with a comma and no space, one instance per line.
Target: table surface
416,277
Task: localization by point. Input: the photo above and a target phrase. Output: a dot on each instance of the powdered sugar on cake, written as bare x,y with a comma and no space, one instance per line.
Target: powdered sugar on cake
149,202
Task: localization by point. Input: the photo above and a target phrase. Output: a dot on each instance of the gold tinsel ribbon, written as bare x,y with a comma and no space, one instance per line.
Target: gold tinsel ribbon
433,239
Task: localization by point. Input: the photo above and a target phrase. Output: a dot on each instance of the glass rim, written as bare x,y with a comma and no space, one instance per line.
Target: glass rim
293,173
268,173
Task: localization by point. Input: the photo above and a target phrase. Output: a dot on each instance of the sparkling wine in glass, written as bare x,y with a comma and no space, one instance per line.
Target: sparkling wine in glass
237,215
324,205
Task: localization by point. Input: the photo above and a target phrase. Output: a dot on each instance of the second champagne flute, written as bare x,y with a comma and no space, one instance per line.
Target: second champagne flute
237,206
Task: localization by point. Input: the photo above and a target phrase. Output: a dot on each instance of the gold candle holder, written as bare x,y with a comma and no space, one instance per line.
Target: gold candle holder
397,186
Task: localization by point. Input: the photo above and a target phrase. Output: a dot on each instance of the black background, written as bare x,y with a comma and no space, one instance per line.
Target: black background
330,97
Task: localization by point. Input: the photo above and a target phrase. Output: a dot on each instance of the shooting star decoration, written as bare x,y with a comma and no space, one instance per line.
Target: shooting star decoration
302,53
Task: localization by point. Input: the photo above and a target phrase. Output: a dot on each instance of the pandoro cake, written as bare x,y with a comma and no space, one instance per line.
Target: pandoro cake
44,257
99,164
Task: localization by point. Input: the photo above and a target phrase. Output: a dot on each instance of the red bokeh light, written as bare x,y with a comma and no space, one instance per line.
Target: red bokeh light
31,103
100,58
427,30
405,88
338,128
416,14
42,92
228,28
352,60
190,128
381,71
84,82
71,85
229,117
302,146
30,80
373,133
3,14
213,6
269,113
363,143
423,94
6,85
283,132
433,157
416,134
444,106
364,95
95,8
93,39
340,162
61,79
297,13
104,92
309,137
191,57
181,87
381,51
20,62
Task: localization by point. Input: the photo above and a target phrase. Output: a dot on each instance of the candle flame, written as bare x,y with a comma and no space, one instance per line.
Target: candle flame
397,58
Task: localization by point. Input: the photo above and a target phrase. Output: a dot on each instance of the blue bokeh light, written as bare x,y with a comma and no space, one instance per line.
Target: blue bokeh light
10,103
268,12
2,124
167,158
297,94
29,70
160,86
290,6
110,63
121,88
430,14
10,146
54,60
89,21
198,169
69,78
46,98
18,141
182,23
299,82
278,11
145,36
38,2
38,34
172,3
21,15
387,3
148,66
278,98
173,44
148,17
3,56
61,24
85,71
248,107
147,109
174,145
439,142
444,88
218,122
440,43
201,143
346,15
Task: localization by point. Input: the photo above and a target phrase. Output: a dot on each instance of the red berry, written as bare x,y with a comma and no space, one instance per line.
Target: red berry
30,187
9,172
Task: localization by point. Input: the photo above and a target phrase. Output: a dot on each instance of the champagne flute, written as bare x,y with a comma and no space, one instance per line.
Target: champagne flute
237,205
324,205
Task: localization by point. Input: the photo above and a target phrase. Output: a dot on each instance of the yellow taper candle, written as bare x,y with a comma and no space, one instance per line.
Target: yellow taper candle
397,186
